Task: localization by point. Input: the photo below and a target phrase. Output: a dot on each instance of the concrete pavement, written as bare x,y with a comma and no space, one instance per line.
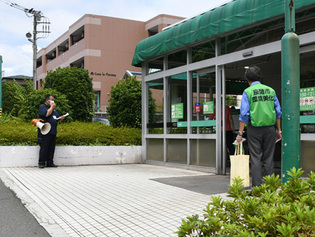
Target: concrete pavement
113,200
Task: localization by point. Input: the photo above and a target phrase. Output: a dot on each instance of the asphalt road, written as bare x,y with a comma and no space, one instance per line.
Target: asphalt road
15,220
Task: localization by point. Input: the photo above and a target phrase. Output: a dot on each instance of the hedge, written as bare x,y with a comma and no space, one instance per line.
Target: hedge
73,134
273,209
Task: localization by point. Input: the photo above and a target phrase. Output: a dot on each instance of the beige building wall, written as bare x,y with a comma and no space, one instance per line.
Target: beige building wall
103,45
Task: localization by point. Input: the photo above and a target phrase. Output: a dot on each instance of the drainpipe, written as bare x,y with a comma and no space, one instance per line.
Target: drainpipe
290,86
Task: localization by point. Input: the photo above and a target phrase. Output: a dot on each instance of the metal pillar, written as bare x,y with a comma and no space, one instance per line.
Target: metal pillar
0,86
145,113
290,86
218,104
223,130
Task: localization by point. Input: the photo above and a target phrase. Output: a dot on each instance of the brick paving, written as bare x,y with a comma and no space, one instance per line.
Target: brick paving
111,200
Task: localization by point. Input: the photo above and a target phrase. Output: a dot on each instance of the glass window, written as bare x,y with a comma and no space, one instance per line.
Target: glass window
156,93
177,103
307,92
258,35
203,51
177,59
97,97
155,65
203,118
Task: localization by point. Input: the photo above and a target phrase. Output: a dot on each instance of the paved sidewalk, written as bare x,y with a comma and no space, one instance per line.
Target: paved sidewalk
113,200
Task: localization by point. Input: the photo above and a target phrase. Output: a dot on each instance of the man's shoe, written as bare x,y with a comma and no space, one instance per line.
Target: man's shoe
41,166
52,165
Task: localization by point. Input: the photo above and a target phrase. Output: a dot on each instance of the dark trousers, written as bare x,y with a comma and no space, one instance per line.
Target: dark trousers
261,142
47,145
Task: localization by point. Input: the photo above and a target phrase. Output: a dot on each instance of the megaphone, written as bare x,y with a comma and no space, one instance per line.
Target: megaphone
44,127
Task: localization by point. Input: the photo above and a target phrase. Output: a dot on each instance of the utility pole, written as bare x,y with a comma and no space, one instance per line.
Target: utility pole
38,18
290,86
36,15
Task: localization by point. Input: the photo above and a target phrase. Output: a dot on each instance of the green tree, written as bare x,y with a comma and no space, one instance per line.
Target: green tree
76,84
125,104
14,98
230,100
36,98
23,102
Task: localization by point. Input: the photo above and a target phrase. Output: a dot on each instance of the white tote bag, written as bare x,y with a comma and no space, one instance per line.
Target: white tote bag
240,165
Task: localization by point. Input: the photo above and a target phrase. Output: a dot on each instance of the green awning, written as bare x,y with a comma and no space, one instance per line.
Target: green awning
231,16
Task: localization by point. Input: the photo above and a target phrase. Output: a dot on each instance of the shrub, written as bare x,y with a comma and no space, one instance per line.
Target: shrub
24,102
82,133
36,98
14,97
74,133
274,210
125,104
76,84
15,132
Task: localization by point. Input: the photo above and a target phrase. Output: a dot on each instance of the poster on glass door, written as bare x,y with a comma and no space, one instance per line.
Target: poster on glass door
208,107
178,111
307,99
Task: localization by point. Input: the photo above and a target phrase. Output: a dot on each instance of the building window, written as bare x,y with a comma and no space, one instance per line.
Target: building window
63,47
77,35
97,101
79,63
51,55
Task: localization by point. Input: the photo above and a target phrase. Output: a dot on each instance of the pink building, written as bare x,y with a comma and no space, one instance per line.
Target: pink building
103,45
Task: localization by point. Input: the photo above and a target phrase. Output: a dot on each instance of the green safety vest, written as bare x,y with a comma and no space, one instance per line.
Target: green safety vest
262,107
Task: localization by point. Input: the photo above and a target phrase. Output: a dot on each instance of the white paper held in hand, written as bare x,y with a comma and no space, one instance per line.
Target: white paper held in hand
54,116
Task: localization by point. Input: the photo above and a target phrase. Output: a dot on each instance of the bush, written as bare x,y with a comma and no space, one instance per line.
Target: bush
274,210
14,97
22,102
125,104
76,84
36,98
81,133
74,133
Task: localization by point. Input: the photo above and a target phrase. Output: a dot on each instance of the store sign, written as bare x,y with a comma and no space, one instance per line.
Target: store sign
178,111
197,107
307,99
208,107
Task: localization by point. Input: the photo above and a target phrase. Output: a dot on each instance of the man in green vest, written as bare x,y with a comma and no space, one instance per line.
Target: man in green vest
260,109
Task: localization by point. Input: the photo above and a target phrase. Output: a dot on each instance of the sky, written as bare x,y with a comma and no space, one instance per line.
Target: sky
17,52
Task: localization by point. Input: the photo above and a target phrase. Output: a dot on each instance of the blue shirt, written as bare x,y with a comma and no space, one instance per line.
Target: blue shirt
245,107
42,111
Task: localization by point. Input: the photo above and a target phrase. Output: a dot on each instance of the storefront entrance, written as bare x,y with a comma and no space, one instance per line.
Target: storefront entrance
193,79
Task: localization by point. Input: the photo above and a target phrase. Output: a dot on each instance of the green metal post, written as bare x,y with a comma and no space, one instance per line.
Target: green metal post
290,56
0,86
